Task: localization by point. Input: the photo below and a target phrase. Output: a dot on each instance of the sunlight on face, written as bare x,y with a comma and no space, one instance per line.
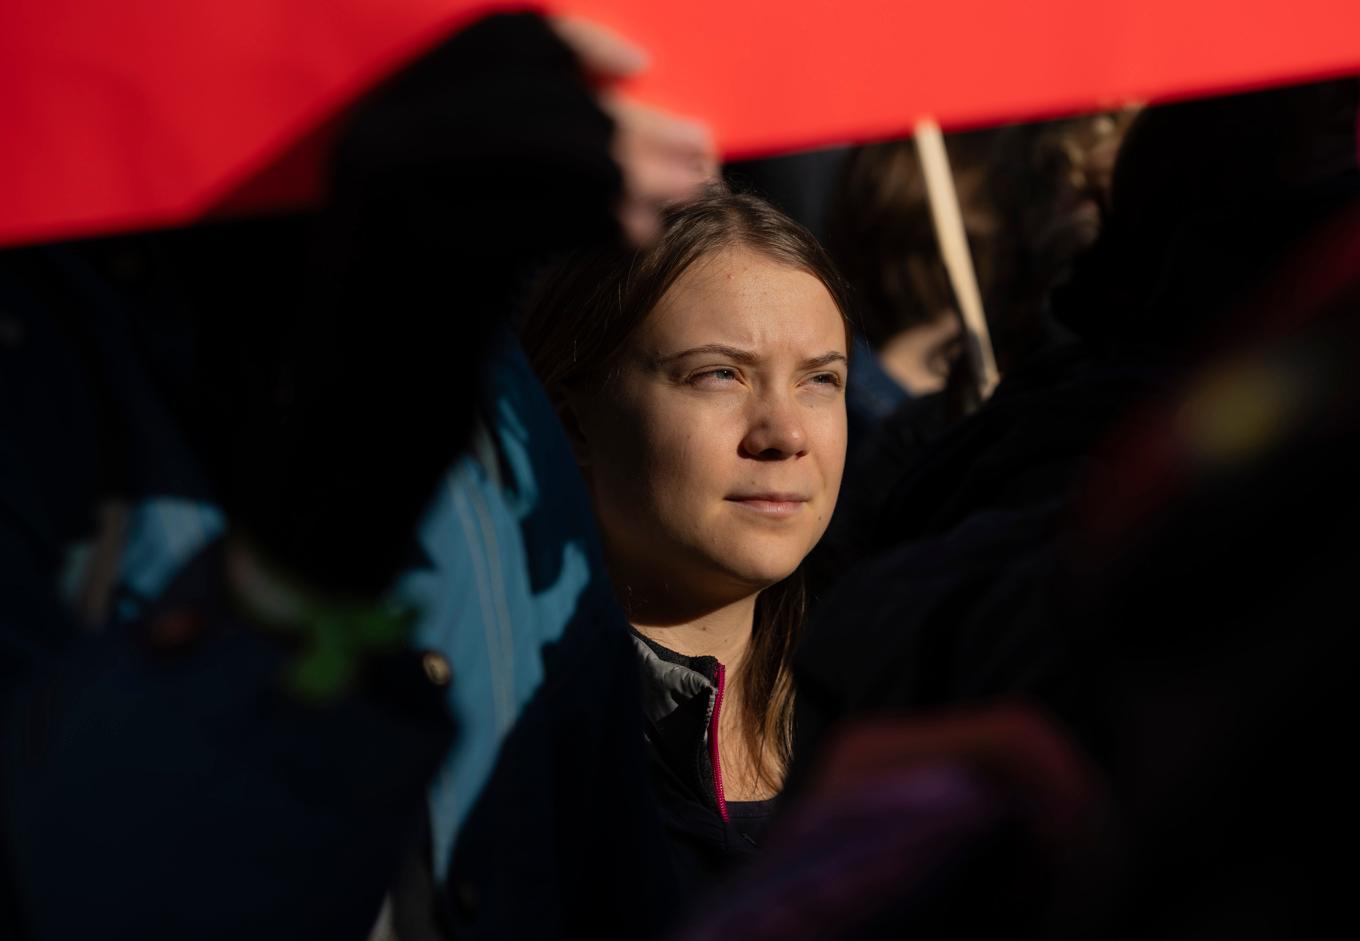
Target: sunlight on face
715,457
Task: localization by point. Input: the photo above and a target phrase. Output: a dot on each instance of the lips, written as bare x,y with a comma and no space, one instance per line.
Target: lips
770,503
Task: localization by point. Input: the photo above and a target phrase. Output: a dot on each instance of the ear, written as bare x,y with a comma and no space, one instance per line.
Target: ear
571,409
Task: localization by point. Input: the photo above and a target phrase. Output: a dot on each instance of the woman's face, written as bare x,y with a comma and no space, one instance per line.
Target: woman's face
715,456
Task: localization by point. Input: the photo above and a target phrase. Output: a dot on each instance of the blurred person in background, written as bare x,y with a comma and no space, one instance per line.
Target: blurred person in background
909,378
881,234
1048,186
1033,199
702,383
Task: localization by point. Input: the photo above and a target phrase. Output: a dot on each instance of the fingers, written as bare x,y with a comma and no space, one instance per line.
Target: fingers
664,159
656,169
640,221
658,128
603,52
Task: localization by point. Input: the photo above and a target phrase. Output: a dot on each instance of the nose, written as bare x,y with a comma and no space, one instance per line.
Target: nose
775,430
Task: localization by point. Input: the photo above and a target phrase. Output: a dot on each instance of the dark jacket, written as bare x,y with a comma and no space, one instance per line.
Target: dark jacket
682,702
166,784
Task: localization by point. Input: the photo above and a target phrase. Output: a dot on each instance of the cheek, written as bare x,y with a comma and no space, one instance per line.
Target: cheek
685,451
830,436
659,458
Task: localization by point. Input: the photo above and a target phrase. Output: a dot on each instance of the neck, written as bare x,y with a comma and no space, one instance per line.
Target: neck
722,632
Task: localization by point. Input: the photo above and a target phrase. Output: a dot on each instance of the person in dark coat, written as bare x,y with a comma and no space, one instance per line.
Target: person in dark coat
244,745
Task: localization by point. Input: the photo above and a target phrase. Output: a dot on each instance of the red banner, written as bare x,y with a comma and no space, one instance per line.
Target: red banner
156,112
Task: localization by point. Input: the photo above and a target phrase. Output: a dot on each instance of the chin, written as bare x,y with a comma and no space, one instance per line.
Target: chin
760,571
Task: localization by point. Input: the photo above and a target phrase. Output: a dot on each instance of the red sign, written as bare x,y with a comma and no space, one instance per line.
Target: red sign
157,112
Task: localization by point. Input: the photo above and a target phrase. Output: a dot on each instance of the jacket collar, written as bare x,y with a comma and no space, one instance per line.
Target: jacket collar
679,695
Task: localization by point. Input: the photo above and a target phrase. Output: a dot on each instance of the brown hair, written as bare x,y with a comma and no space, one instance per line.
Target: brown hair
576,327
880,233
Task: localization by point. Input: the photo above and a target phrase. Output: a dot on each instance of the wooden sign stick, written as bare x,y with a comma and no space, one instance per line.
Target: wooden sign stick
958,261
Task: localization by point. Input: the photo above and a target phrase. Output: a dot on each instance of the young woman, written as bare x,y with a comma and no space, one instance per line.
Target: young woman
702,384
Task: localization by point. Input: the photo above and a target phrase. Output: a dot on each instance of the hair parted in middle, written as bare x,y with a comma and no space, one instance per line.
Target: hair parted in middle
587,306
578,322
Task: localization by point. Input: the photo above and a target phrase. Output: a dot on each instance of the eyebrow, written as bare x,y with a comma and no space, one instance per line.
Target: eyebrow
826,359
746,357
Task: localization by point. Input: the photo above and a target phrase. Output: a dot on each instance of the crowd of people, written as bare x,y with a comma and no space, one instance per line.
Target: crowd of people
545,536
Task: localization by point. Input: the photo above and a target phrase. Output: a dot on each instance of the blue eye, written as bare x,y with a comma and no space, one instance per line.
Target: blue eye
714,375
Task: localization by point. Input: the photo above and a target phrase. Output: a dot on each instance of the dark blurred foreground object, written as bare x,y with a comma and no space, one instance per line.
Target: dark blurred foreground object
470,167
314,377
1207,582
942,826
1162,577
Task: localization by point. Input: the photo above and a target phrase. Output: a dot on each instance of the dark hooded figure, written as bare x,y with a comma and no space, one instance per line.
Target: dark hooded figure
215,445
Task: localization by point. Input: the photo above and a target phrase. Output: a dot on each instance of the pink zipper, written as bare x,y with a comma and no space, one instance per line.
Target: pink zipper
713,746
